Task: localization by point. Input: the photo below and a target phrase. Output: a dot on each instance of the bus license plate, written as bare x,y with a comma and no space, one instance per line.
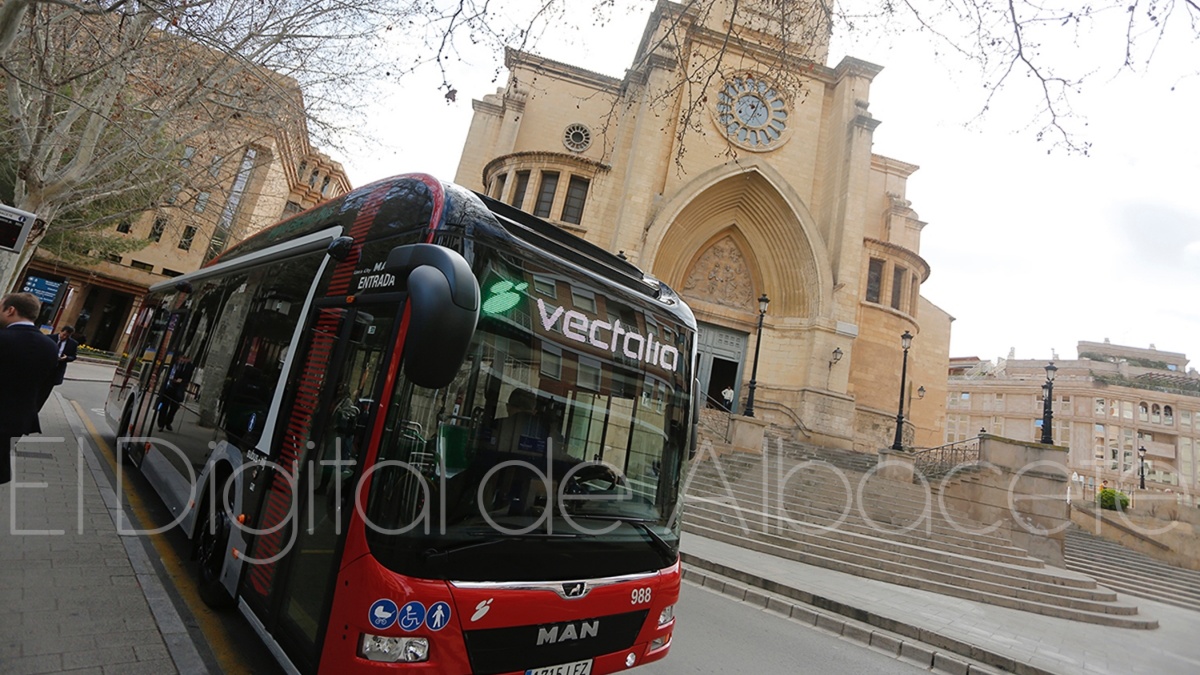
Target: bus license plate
577,668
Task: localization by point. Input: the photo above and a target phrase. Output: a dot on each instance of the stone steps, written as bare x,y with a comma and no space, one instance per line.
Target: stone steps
993,576
816,475
1116,614
867,508
822,515
817,519
845,459
1131,572
882,530
1089,546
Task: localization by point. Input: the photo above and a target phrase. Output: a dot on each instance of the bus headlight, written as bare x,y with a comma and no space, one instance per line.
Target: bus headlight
394,649
666,615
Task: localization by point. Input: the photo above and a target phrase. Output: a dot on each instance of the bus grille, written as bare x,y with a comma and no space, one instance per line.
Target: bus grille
503,650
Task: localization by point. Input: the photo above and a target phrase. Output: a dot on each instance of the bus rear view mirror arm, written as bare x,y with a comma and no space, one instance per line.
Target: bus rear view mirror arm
443,297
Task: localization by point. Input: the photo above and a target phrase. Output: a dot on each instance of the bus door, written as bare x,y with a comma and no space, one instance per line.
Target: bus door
155,363
334,397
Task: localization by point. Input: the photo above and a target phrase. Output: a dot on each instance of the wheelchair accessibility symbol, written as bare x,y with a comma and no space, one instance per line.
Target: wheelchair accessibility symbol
411,616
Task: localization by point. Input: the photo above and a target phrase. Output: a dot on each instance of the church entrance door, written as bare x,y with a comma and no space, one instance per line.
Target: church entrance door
722,360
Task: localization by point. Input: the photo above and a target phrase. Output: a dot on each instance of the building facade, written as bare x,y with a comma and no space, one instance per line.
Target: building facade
1107,404
245,177
764,184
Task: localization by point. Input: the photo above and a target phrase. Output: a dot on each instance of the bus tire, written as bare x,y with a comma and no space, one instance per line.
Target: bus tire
211,542
125,430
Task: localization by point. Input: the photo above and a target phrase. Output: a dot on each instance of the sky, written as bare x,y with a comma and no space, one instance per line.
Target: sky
1031,252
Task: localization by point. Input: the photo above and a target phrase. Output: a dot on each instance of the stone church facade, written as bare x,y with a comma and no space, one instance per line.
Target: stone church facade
763,184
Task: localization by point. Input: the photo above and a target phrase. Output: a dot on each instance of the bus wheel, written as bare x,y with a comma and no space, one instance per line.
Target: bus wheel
210,552
124,448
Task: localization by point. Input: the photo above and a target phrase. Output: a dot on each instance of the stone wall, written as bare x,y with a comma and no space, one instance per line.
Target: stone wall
1167,531
1021,489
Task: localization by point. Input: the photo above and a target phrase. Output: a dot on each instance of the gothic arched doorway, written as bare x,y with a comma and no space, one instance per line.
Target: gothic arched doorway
720,362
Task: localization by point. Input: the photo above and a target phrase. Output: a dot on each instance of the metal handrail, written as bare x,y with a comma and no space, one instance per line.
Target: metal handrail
795,416
721,411
939,461
719,405
726,415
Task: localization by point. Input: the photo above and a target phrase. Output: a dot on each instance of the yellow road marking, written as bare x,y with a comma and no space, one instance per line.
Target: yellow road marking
210,625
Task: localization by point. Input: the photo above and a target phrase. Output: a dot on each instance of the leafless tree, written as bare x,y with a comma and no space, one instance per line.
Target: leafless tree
1030,52
102,95
102,98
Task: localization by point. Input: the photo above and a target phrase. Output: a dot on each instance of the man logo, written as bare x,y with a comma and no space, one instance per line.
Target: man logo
577,589
568,632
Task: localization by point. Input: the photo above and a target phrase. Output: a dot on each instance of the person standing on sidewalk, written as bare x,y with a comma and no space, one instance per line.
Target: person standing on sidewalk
28,363
68,351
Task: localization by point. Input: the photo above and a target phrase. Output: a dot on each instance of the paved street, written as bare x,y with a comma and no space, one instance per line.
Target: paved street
80,597
717,634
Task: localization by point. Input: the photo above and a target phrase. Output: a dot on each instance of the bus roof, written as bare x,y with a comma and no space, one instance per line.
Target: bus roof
518,224
576,250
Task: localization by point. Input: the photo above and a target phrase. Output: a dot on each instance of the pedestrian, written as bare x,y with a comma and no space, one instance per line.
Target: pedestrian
174,387
28,362
68,351
727,394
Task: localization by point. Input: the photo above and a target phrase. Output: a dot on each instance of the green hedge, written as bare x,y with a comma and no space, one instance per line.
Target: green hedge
1110,497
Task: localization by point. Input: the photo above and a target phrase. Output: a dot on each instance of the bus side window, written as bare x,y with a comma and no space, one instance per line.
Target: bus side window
131,359
263,312
180,409
217,333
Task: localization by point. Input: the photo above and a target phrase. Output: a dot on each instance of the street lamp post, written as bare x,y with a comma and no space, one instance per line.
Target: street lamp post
906,342
762,311
1047,405
1142,468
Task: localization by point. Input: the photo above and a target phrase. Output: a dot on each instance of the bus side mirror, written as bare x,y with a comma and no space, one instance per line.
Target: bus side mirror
443,298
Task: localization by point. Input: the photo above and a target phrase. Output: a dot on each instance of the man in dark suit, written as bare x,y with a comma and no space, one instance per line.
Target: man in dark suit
28,361
68,351
174,388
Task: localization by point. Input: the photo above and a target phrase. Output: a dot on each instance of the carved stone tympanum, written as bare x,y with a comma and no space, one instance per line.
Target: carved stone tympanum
722,276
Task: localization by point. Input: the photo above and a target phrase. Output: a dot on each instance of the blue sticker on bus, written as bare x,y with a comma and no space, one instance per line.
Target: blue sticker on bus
382,613
439,616
412,616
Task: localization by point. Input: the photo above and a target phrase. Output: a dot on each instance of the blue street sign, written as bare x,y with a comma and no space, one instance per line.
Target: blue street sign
44,290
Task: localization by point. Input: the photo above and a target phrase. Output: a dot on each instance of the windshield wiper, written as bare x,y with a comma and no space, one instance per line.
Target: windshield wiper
434,552
641,525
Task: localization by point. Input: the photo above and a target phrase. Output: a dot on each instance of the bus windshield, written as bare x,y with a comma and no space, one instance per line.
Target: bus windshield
558,450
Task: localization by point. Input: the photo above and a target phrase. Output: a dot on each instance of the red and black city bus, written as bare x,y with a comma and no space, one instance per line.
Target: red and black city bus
414,428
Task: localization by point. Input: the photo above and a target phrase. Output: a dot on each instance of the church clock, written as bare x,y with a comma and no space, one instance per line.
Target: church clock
751,112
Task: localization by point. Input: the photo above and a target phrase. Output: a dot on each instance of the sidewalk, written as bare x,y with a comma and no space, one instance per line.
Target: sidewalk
90,370
77,596
1002,638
